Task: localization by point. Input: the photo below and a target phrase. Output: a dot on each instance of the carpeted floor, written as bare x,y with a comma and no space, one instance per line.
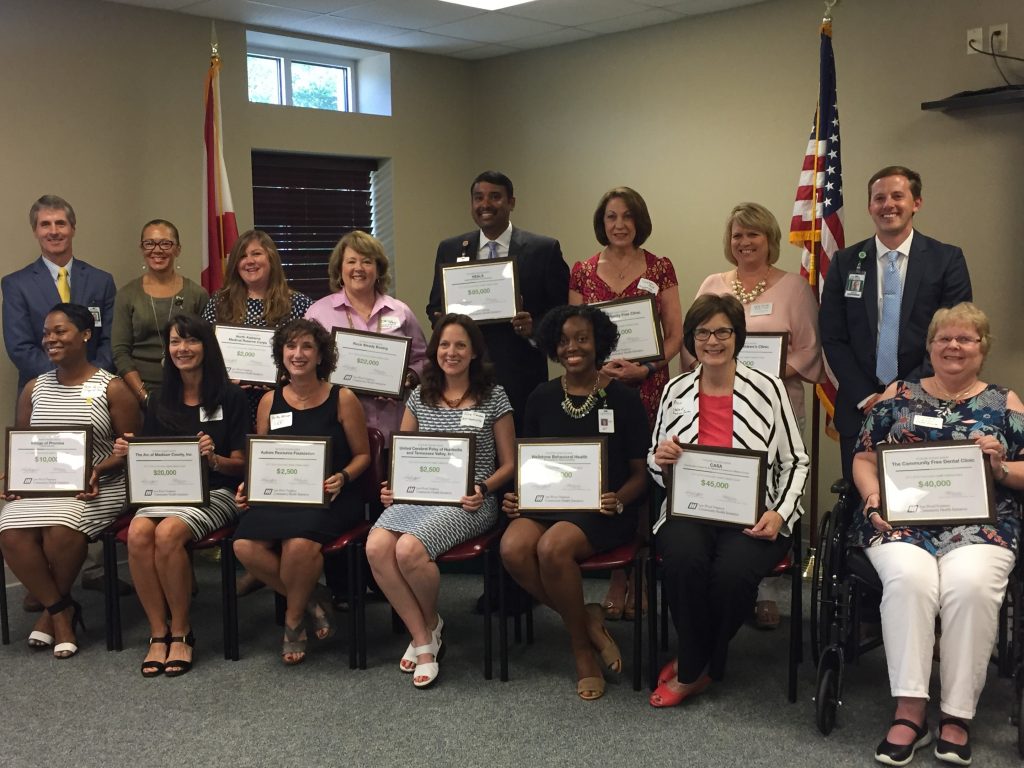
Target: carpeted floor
96,710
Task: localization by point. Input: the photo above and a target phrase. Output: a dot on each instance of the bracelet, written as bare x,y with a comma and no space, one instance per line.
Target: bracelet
483,488
345,475
651,368
214,461
1006,471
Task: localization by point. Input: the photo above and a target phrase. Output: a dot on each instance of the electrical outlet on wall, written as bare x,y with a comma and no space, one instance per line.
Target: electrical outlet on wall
999,41
977,36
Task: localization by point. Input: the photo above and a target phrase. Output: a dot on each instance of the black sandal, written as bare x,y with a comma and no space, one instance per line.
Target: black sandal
177,667
901,754
156,668
947,751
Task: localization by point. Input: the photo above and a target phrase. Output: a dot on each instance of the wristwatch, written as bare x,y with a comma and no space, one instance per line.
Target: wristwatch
619,506
483,488
1006,471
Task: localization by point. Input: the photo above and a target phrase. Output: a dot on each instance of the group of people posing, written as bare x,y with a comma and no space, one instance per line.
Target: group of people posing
895,324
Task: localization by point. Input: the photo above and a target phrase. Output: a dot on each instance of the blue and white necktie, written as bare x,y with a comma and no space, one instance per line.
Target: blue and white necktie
887,366
492,249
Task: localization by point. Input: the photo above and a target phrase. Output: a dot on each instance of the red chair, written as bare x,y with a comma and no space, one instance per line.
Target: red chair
625,556
221,539
369,485
482,546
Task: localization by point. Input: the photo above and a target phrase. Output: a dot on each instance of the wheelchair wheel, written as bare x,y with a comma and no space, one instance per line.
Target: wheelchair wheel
822,602
826,701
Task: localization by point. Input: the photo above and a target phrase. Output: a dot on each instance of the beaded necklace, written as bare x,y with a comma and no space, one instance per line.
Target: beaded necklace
579,411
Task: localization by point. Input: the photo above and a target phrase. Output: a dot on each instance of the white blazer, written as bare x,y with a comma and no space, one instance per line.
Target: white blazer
763,420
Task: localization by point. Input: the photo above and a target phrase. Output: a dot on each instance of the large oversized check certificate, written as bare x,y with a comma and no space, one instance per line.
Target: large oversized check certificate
166,471
725,486
640,339
766,352
487,291
555,475
48,462
935,483
432,467
372,363
287,470
248,353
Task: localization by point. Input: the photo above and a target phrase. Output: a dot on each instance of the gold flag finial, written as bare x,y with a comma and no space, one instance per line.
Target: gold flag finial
213,40
829,5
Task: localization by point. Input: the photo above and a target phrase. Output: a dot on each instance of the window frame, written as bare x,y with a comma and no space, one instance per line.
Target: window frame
287,58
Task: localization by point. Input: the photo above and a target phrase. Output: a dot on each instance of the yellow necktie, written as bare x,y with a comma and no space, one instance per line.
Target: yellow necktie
62,285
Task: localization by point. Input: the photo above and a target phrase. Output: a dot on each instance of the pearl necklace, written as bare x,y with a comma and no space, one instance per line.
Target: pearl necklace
579,411
748,296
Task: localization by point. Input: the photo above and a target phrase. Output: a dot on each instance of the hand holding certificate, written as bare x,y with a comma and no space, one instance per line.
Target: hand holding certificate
723,486
487,291
640,338
166,471
372,363
248,353
432,468
560,475
48,462
935,483
288,470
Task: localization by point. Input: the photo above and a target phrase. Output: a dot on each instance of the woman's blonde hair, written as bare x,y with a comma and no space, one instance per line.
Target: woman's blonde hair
758,218
964,313
365,245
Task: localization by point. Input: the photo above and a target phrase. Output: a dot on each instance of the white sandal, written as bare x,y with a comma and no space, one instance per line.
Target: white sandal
38,640
430,669
408,661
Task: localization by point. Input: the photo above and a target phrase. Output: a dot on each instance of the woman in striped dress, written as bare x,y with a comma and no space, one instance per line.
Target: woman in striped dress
195,398
44,539
458,394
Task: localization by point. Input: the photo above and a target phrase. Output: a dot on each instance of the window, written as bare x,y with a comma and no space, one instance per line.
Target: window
284,80
291,71
306,203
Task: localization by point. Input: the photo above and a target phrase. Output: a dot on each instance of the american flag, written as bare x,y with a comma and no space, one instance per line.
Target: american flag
817,224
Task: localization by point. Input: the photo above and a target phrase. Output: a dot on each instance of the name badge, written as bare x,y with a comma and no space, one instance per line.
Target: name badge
854,285
679,408
388,324
91,390
648,285
217,414
606,421
474,419
460,259
280,420
764,308
928,422
97,316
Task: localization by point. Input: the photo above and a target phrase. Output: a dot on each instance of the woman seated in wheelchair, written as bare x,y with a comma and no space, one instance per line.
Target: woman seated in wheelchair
956,572
712,571
541,549
281,546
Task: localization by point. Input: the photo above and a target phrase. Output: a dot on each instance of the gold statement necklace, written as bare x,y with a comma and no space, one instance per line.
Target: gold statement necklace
748,296
581,410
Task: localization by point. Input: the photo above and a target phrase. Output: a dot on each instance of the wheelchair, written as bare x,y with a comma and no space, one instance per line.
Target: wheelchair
845,587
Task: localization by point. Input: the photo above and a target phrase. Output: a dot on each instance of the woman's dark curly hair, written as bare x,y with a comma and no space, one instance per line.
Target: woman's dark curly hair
170,406
549,332
324,341
481,372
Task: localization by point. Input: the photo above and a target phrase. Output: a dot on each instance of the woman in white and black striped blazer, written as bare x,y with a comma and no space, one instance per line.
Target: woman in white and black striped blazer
712,571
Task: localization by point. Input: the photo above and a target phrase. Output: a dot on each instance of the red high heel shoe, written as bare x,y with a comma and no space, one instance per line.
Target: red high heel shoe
664,696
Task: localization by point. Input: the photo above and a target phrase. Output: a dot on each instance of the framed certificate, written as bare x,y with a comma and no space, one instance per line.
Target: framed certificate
166,471
248,353
56,461
555,475
766,352
640,339
946,482
372,363
724,486
487,291
432,468
287,469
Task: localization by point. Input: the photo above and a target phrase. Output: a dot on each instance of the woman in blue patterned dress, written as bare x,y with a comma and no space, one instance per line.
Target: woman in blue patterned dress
44,539
957,573
458,394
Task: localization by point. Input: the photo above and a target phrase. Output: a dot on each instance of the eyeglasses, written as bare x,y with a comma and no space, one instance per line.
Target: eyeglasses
703,334
963,341
153,245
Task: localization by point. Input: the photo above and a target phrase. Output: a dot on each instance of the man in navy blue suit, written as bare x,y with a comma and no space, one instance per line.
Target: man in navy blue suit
900,271
30,293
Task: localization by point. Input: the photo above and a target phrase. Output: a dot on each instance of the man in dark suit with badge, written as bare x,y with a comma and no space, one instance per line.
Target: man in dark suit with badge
543,284
878,299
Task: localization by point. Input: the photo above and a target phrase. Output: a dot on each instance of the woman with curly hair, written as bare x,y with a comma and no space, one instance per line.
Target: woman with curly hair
542,551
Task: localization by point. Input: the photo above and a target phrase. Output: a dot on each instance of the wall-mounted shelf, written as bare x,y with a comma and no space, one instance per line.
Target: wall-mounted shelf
987,98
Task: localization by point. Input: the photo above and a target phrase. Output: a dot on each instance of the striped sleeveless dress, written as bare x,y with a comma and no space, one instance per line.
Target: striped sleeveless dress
54,404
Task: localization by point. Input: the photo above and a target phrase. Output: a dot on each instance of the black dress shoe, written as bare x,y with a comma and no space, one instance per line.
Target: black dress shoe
901,754
95,584
947,751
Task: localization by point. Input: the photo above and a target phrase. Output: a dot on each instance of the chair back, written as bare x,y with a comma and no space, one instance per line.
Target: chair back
375,474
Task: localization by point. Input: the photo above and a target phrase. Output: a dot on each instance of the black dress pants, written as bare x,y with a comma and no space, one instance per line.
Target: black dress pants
711,576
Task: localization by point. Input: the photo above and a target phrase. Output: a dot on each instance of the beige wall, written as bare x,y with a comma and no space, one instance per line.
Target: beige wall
103,106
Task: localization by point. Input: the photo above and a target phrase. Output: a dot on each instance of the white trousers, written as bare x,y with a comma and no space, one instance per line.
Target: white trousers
964,588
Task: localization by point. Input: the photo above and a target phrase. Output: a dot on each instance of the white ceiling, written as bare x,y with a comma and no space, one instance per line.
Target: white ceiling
432,26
